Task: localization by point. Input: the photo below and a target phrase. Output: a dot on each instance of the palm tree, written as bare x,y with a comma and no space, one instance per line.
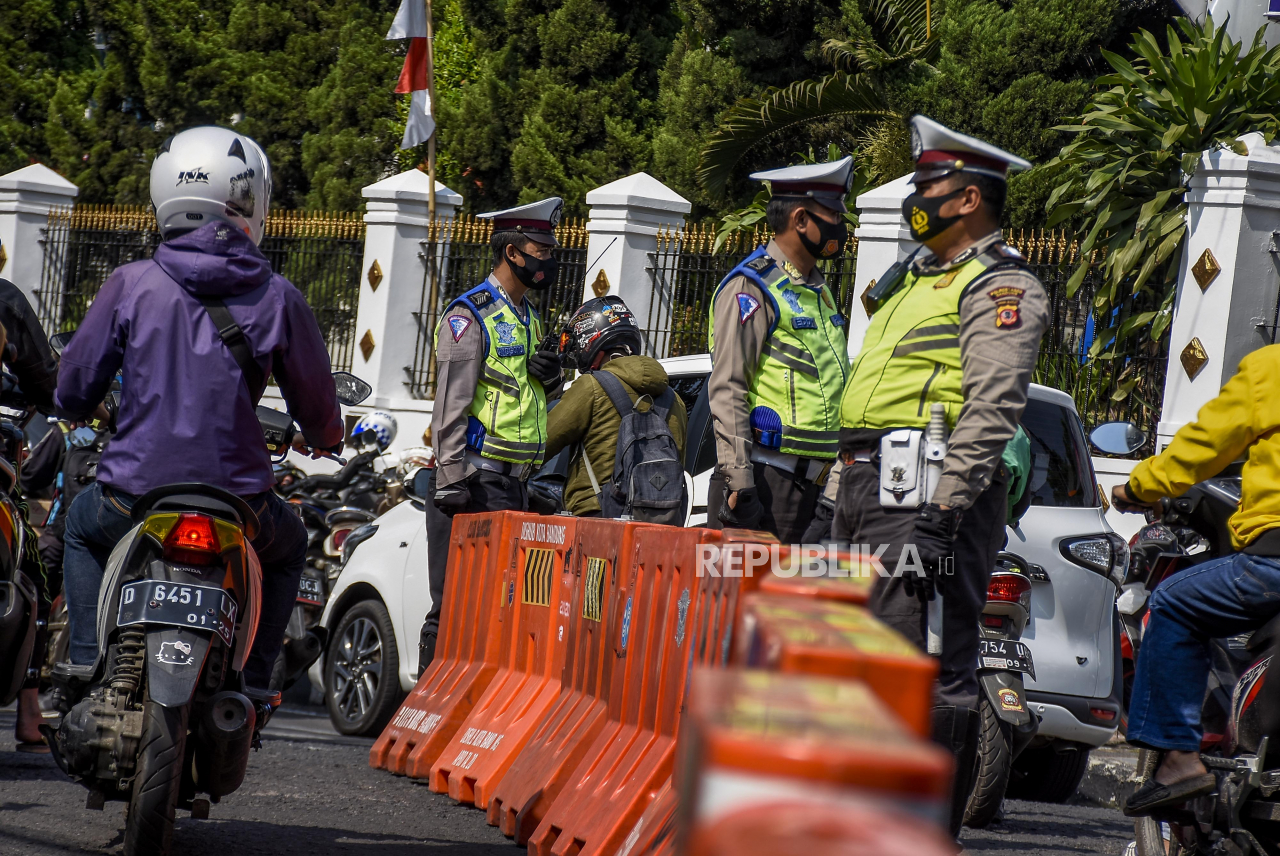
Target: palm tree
906,41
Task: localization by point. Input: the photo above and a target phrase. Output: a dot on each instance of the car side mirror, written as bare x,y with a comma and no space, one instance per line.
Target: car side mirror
351,390
1117,438
59,341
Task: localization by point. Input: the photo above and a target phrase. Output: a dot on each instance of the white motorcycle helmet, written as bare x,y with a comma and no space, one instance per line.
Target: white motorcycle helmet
211,174
376,428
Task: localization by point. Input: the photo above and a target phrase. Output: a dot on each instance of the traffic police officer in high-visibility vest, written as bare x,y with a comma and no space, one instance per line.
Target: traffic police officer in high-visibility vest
489,420
957,325
779,358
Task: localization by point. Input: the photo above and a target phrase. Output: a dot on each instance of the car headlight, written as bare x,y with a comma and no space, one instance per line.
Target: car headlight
357,537
1107,554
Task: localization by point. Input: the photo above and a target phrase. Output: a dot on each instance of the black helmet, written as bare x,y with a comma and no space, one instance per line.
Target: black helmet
601,324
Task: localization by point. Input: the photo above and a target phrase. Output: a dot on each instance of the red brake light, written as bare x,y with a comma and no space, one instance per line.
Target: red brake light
192,541
340,536
1008,588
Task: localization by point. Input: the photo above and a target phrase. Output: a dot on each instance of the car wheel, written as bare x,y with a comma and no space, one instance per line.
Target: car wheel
995,759
362,671
1049,773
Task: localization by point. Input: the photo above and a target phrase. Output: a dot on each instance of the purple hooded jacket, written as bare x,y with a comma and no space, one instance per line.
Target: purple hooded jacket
185,410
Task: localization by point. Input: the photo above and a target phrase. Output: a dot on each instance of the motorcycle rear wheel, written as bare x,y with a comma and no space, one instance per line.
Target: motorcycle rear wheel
995,761
149,822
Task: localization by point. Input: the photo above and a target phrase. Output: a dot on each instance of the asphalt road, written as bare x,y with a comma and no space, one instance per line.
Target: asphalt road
311,792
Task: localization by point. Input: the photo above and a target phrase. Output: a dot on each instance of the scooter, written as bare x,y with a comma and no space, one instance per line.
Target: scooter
166,715
1007,724
19,597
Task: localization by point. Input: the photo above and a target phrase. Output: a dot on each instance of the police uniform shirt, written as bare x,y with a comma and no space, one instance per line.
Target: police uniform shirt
1001,321
459,363
740,334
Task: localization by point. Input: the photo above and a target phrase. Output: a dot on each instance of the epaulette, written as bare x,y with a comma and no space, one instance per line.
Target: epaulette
761,264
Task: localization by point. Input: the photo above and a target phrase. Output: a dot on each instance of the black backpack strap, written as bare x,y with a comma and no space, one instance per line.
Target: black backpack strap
663,403
233,337
616,391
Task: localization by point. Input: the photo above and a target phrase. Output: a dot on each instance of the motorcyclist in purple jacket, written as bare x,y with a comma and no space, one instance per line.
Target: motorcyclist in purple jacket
186,411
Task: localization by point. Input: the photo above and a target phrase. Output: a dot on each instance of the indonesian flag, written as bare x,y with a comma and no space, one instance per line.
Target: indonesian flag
411,23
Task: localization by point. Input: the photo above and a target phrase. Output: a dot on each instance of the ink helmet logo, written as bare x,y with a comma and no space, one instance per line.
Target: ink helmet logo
192,176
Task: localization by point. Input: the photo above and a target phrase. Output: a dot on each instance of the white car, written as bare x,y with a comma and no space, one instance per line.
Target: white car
377,606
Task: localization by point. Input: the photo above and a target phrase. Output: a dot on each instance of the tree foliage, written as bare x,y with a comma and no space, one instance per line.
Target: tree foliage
1136,148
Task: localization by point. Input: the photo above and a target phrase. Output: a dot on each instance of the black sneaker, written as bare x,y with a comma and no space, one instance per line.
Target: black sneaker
426,652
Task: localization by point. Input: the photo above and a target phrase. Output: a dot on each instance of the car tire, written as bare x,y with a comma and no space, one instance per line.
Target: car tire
995,762
362,671
1049,773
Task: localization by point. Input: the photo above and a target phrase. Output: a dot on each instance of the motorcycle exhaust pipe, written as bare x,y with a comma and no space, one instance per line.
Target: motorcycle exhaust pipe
226,731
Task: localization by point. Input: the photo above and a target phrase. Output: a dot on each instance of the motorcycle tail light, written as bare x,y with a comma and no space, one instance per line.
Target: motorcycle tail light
1009,588
339,537
192,541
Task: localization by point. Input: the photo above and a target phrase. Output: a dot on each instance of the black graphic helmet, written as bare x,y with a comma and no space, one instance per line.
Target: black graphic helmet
601,324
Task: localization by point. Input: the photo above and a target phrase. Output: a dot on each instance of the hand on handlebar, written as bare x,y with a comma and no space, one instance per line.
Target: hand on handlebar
299,444
1127,503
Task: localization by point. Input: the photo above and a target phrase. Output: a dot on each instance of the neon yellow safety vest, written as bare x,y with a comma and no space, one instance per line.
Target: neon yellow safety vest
910,357
508,416
794,395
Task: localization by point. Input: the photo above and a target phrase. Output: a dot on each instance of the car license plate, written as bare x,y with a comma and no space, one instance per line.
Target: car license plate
1005,654
180,605
309,590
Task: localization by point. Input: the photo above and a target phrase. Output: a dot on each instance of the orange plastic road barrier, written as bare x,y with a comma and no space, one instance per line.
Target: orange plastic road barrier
848,578
602,550
655,832
754,736
823,637
531,661
798,828
634,753
738,568
481,549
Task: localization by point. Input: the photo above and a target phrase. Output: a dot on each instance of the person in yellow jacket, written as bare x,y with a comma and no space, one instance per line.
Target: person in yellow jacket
1219,598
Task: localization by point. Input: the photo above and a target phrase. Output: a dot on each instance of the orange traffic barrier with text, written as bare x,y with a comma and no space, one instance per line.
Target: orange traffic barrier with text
653,640
540,596
825,637
755,737
480,550
802,828
601,552
655,832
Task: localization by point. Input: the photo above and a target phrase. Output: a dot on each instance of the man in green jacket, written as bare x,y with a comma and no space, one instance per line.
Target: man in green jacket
602,336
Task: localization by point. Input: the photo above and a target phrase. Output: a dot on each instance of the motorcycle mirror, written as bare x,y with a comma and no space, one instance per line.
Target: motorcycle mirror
59,341
351,390
415,483
1117,438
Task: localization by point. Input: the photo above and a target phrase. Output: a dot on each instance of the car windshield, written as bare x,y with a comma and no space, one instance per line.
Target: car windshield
1061,472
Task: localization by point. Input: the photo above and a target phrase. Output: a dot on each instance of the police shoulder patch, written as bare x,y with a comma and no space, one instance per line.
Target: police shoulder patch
747,306
761,264
482,298
458,324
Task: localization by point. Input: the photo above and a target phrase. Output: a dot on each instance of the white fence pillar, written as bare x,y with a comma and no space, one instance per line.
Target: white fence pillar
626,216
1228,287
392,280
27,196
883,239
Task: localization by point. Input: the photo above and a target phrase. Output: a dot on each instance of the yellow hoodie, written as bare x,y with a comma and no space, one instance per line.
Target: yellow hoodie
1243,420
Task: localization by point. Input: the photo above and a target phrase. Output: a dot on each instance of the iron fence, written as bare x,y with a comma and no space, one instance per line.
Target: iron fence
684,272
463,259
320,253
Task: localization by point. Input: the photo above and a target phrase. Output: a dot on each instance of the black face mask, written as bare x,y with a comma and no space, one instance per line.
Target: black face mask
537,274
921,214
831,237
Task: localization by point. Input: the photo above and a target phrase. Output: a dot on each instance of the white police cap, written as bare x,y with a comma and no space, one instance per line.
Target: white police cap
825,183
537,220
940,151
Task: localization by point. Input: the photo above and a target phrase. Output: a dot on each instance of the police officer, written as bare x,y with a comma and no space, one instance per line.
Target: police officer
958,324
489,421
779,358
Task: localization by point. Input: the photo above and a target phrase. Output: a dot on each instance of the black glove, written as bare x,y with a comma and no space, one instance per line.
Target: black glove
545,366
819,529
453,499
934,534
748,512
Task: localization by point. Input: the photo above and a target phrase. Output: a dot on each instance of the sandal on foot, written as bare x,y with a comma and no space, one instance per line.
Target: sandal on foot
1153,796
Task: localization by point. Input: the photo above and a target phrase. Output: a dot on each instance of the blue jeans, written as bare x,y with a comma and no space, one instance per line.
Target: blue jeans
1214,600
99,518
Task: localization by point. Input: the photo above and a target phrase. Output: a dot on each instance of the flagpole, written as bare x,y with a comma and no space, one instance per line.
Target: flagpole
433,229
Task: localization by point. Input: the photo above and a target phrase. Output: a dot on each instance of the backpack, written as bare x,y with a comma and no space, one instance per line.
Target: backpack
648,473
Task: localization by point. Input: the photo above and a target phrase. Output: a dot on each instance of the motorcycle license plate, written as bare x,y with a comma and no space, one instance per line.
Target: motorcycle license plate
1005,654
179,605
309,590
